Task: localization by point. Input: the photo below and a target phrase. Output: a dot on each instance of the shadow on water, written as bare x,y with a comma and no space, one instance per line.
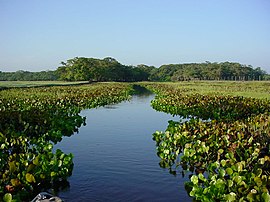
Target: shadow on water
141,91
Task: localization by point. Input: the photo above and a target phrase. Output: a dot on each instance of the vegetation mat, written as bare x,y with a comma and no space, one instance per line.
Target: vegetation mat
32,120
224,144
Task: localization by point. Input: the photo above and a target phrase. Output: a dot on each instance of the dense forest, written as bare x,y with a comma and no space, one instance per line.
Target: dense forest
109,69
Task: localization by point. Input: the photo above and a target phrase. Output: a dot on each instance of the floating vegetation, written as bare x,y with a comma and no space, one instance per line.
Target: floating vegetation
225,144
32,120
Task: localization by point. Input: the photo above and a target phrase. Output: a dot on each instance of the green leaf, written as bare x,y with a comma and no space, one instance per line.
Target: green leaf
230,197
239,166
237,179
201,177
7,197
12,166
30,167
220,151
15,182
194,179
42,176
67,160
266,197
250,140
230,183
220,184
223,162
250,197
30,178
36,161
59,163
186,152
62,156
50,146
261,161
192,193
222,172
53,174
258,181
258,172
229,171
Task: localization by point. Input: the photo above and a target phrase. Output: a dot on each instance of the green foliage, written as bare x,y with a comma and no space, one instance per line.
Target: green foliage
266,77
228,153
207,71
28,76
7,197
28,84
31,121
224,108
107,69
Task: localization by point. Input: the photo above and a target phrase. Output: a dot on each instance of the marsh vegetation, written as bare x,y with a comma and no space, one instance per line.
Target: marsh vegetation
221,142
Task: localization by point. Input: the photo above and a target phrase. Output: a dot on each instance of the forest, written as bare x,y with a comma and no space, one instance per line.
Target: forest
109,69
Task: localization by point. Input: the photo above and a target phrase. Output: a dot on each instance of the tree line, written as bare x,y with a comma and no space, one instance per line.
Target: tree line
109,69
29,76
208,71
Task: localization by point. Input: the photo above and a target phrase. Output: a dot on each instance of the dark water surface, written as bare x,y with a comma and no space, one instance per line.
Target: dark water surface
115,157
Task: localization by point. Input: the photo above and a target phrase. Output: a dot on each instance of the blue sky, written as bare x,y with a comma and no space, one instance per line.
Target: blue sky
37,35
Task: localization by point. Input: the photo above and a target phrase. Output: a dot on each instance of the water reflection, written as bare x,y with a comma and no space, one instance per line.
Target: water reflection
115,157
110,107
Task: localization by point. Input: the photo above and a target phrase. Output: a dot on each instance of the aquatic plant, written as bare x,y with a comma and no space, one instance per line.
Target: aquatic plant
32,120
225,144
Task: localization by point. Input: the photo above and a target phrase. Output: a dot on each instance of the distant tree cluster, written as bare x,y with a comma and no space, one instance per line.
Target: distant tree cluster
266,77
28,76
207,71
109,69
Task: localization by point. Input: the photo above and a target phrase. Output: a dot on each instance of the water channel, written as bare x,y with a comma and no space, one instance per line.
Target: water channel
115,157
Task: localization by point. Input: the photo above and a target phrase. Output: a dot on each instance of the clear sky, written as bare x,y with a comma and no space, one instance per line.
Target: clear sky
37,35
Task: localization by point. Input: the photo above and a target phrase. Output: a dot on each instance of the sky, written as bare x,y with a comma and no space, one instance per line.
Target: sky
37,35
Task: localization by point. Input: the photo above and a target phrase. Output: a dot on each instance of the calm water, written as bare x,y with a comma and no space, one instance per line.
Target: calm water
115,157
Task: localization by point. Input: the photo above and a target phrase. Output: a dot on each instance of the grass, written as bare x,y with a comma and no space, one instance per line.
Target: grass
255,89
21,84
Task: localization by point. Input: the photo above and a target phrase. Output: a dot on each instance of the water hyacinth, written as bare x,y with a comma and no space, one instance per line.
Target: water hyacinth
32,120
225,144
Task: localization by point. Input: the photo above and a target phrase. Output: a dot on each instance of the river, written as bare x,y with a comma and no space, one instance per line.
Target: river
115,157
